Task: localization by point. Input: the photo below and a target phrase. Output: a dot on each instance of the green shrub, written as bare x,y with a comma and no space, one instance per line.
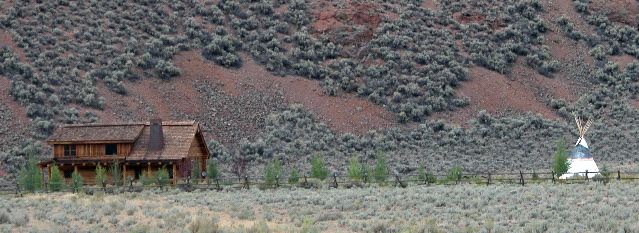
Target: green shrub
454,173
166,70
116,173
318,169
146,178
56,183
561,164
272,172
162,176
381,168
76,181
355,170
427,177
196,172
30,177
294,177
100,175
211,169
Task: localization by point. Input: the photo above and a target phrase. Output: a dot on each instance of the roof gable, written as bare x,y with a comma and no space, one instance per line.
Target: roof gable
178,137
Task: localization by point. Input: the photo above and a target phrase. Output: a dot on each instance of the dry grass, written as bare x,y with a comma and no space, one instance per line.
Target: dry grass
591,207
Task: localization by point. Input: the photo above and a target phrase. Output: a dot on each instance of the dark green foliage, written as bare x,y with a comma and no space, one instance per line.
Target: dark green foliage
381,168
212,171
455,173
318,169
166,70
30,176
14,158
294,177
355,170
222,49
561,164
272,172
427,177
56,182
146,178
116,173
196,171
76,181
217,150
162,176
100,175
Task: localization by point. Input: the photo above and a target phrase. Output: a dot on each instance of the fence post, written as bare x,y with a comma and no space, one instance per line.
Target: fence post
618,175
365,176
277,181
488,179
399,181
521,177
305,181
335,180
553,176
18,192
217,183
246,182
586,175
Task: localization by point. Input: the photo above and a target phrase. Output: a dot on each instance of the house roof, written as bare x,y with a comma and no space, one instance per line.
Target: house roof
178,137
96,133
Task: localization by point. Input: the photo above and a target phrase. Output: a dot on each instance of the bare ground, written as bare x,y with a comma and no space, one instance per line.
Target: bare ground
621,11
231,104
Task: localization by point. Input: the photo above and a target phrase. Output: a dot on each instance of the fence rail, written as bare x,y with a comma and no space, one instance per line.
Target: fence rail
337,181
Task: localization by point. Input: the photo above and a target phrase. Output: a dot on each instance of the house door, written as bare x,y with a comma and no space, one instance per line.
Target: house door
138,173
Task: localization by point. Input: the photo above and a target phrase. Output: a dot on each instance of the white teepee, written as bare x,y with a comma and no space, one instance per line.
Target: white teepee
580,157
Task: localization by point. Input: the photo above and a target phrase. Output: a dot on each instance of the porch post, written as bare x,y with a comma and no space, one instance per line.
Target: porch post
175,173
123,172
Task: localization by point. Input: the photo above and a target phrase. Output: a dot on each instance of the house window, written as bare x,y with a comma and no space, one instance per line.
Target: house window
69,150
68,174
111,149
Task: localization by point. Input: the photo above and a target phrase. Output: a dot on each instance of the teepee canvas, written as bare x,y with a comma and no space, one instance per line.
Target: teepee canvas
580,157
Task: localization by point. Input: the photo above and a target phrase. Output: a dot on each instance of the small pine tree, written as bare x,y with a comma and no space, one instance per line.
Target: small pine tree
605,172
116,173
146,178
162,176
355,170
100,175
30,176
211,169
381,169
427,177
294,177
455,173
196,173
273,171
76,181
561,164
318,169
56,183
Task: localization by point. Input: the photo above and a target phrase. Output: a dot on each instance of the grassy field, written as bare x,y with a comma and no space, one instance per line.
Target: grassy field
592,207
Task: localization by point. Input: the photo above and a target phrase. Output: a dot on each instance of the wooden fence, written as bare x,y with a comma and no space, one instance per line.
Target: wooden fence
337,181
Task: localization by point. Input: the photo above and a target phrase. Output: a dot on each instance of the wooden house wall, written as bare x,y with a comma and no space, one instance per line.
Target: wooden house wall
198,150
93,150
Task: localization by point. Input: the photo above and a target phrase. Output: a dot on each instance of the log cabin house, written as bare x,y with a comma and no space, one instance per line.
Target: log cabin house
139,148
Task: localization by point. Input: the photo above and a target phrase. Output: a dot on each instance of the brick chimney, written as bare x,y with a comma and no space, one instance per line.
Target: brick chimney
156,139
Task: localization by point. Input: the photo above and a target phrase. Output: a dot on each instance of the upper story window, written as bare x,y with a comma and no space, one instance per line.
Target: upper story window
111,149
69,150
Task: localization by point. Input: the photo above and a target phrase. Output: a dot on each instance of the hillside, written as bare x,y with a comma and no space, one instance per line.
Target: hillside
437,83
